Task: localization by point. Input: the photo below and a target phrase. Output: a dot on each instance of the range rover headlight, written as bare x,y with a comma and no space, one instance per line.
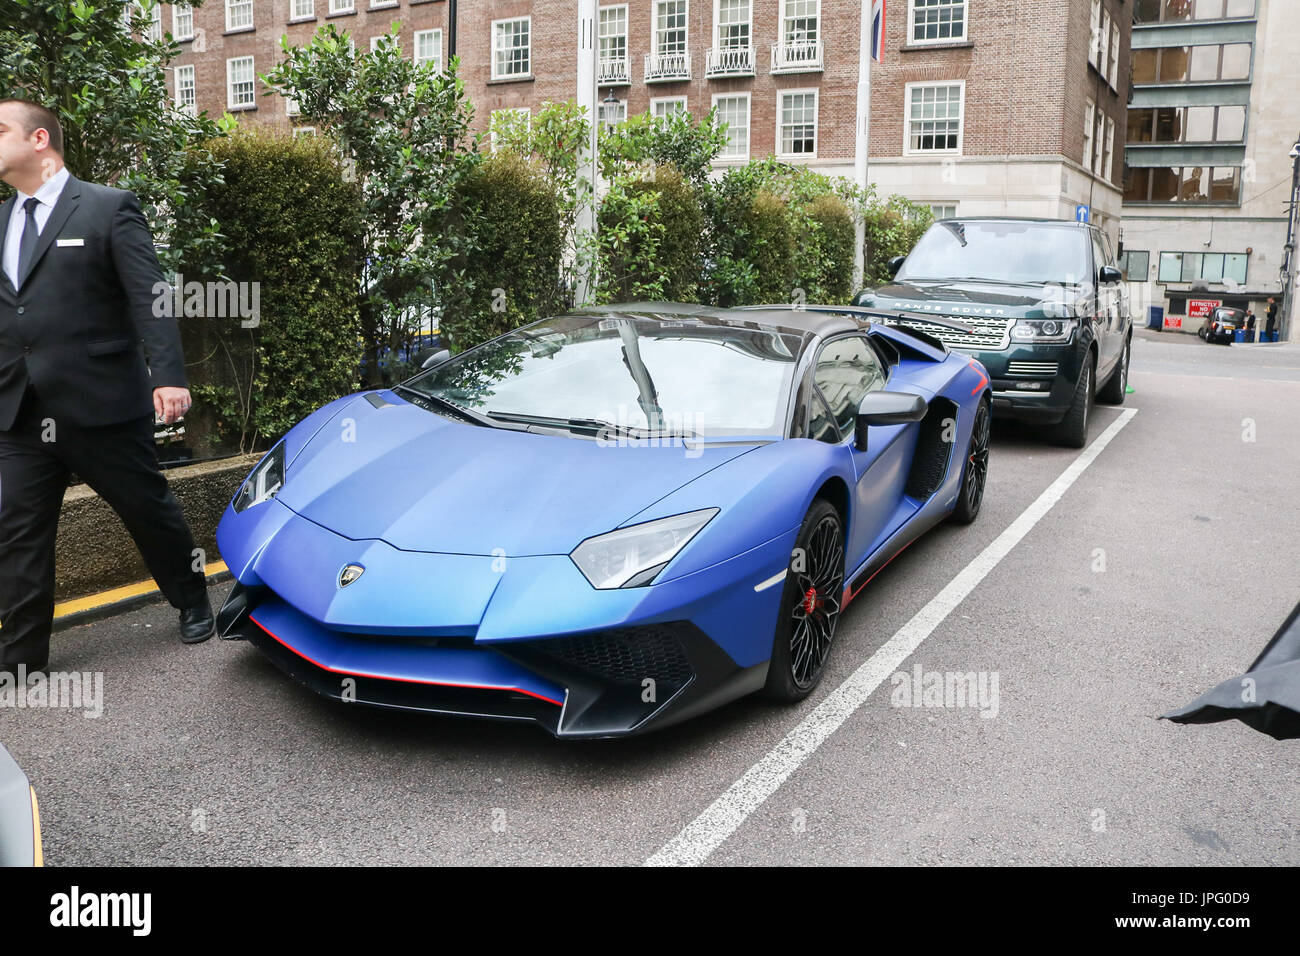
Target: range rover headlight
263,481
1043,331
632,557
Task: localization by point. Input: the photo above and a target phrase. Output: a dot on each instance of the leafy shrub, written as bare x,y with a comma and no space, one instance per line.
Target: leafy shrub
511,213
291,224
649,239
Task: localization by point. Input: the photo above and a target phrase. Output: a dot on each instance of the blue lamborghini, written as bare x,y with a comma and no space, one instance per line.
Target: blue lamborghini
605,522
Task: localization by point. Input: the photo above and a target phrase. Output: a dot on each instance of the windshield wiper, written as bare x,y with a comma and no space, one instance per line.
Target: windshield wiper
460,411
590,425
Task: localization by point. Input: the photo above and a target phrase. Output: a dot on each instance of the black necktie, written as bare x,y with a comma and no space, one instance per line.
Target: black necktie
27,245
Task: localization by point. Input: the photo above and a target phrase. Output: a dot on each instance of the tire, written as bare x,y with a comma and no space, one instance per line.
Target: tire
803,638
1072,432
976,470
1117,385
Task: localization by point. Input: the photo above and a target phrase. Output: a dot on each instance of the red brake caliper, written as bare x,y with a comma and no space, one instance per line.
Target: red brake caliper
810,600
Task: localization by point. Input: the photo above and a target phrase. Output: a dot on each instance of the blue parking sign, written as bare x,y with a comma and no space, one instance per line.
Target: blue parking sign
1082,213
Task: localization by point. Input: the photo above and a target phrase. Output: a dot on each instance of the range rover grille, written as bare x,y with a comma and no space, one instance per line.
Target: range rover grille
986,332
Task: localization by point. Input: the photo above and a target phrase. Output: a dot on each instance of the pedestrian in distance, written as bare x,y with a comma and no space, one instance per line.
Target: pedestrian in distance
1270,318
86,364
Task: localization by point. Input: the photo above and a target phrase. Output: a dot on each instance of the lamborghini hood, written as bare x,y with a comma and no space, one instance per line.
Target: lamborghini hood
422,482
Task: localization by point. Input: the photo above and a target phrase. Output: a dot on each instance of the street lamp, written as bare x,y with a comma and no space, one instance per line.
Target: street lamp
608,104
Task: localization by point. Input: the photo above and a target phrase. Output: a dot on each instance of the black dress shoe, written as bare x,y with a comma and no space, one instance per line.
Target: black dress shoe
198,623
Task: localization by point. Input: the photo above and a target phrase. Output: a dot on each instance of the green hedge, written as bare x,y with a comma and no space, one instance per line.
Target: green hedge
291,224
649,239
511,212
825,270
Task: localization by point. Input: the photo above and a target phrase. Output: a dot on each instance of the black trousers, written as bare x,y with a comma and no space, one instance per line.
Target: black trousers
117,461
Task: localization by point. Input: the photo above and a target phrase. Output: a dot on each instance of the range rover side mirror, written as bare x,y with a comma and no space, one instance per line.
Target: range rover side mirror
1109,274
886,408
895,264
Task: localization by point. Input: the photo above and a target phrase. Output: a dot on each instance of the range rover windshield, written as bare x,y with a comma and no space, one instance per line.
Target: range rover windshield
1017,252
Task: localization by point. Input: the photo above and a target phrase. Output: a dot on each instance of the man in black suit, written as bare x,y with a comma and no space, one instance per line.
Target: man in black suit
85,364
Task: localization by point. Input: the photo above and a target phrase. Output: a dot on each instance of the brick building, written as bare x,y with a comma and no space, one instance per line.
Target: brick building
1212,121
979,106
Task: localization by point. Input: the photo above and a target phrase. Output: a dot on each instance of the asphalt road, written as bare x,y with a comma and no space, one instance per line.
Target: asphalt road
1161,570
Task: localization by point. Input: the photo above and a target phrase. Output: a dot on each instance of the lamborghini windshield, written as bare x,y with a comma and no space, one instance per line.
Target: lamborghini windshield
683,375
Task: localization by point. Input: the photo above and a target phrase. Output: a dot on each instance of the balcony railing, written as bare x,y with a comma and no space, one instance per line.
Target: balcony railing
614,71
666,67
797,56
731,61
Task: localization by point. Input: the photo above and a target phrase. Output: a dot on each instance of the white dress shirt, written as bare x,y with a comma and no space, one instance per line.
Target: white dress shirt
46,197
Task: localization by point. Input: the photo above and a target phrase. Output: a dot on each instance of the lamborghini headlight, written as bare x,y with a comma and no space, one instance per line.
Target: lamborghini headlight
263,482
631,557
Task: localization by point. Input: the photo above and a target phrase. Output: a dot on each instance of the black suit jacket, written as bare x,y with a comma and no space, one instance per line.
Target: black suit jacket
82,327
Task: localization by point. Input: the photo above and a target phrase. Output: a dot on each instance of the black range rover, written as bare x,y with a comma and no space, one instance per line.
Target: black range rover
1046,308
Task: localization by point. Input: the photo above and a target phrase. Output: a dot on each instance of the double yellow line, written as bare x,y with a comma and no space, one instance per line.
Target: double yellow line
126,592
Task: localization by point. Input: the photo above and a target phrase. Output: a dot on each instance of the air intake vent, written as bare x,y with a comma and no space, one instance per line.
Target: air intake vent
1046,369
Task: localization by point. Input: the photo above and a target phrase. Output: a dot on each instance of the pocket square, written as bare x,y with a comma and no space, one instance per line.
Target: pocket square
69,242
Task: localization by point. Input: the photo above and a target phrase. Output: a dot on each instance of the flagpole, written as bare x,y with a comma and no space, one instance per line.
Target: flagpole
862,131
588,168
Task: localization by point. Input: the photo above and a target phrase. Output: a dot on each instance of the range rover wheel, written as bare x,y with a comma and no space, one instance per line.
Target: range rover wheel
1113,393
1072,432
976,471
810,606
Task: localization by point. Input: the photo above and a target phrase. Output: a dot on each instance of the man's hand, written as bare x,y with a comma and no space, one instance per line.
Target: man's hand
171,403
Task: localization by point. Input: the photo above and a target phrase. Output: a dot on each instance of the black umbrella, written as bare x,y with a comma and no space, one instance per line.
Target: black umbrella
1266,697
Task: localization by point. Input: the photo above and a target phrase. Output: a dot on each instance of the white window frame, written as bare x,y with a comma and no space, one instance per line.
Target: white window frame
908,90
1103,40
749,127
182,71
654,28
717,25
495,47
1094,35
291,107
381,4
176,21
780,112
1099,140
784,36
343,6
304,131
252,15
965,25
943,204
155,29
436,33
296,17
230,83
1112,67
626,34
374,43
1089,133
658,101
1108,151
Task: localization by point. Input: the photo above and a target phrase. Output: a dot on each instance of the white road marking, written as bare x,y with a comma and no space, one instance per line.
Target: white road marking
711,828
774,579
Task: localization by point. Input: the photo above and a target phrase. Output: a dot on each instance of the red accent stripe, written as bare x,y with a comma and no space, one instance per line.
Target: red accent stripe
984,379
850,596
405,680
